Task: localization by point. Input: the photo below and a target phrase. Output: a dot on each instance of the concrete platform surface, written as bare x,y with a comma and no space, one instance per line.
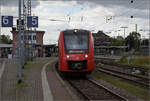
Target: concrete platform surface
31,87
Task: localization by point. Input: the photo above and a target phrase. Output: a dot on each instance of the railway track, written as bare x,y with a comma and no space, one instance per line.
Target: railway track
91,90
140,80
143,70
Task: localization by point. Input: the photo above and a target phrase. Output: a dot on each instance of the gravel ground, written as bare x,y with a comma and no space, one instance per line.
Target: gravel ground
126,70
136,81
93,91
123,68
117,90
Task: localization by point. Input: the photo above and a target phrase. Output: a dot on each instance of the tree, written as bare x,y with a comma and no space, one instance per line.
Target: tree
120,38
145,42
5,39
133,40
116,41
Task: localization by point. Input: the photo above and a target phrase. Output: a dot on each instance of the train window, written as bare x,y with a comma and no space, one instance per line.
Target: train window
76,43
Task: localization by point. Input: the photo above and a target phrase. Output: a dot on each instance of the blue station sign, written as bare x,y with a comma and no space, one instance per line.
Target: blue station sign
7,21
32,21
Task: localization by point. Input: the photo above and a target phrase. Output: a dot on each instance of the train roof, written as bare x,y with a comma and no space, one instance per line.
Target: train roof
72,30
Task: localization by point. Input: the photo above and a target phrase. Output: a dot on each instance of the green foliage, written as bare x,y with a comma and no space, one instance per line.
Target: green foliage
145,42
140,61
30,65
21,84
5,39
133,40
123,59
116,41
120,38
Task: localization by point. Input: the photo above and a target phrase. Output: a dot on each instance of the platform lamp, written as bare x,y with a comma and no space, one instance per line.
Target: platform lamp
124,27
124,30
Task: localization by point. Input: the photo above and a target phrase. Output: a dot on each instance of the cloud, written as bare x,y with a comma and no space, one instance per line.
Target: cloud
140,4
14,3
94,16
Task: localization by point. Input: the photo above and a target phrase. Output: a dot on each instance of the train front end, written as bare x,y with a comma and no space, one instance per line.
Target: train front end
76,53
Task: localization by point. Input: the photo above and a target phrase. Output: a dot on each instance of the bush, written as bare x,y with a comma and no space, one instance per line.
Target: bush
143,61
123,59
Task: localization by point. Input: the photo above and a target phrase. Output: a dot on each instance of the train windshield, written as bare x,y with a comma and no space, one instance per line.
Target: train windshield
76,42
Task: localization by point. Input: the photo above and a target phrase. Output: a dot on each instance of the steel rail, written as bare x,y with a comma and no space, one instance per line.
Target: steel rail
99,86
121,76
129,74
78,90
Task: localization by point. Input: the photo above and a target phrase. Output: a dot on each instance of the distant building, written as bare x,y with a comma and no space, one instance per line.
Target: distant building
34,38
100,38
144,50
5,49
50,50
103,46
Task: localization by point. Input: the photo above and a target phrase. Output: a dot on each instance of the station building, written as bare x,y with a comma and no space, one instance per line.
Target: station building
5,50
100,38
102,45
50,50
33,40
144,51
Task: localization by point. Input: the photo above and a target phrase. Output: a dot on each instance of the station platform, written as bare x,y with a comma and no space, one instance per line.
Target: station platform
31,87
40,82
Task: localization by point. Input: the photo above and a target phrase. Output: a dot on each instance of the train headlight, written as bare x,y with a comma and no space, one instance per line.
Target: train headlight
86,56
75,31
67,57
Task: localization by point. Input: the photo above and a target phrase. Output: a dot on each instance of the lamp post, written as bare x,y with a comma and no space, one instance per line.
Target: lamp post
124,30
124,35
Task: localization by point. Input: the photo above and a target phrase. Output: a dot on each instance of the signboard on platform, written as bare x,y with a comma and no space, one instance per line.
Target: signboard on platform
7,21
32,21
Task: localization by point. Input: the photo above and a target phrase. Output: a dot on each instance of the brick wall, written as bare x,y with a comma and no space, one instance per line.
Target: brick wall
15,41
39,39
100,38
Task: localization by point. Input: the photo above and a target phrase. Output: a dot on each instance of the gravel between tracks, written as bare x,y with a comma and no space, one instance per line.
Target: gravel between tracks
93,91
133,80
117,90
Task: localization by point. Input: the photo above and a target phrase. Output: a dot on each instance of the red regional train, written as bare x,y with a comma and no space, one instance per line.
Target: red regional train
76,52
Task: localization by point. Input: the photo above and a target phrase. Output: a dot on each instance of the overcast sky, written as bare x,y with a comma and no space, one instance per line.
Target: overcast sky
92,12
